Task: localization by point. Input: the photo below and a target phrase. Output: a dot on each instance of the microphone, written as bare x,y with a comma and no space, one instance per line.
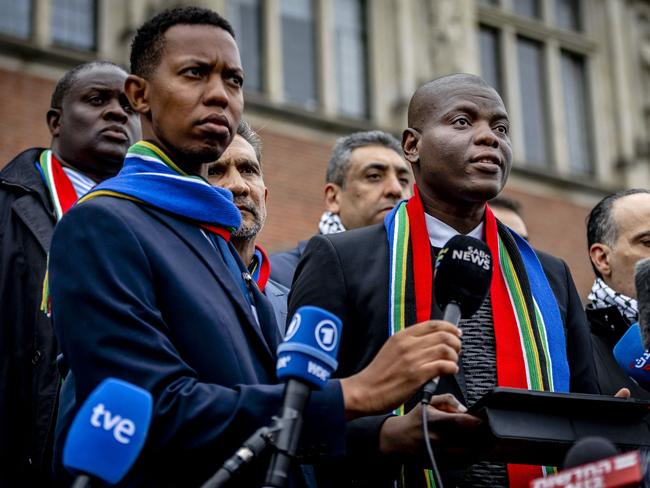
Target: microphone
462,277
594,462
108,432
306,359
632,357
642,284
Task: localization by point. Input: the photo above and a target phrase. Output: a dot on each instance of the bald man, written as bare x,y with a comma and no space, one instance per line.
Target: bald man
458,145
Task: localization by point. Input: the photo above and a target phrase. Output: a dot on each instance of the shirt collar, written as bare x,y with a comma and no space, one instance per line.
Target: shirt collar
440,233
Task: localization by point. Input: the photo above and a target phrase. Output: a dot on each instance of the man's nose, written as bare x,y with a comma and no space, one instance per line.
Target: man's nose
235,183
115,111
485,135
392,186
216,92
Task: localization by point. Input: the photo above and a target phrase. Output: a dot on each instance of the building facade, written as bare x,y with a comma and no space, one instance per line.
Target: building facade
574,74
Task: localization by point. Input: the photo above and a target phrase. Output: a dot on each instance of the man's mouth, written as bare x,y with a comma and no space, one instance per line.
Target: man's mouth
215,124
115,132
487,158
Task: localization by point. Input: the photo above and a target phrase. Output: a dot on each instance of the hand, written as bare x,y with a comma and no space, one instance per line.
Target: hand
448,425
623,393
406,361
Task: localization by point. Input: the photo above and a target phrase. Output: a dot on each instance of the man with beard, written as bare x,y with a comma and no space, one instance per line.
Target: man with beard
146,286
239,169
92,125
366,177
458,145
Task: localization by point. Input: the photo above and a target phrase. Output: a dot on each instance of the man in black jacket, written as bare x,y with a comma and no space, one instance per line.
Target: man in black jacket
92,125
618,236
459,147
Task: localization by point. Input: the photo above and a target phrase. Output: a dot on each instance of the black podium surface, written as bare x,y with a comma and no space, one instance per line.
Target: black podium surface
530,427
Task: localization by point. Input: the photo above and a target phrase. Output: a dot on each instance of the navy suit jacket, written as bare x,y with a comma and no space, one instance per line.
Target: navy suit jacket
144,296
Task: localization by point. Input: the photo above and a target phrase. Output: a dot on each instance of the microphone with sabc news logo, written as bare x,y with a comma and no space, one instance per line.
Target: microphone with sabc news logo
306,360
462,277
108,432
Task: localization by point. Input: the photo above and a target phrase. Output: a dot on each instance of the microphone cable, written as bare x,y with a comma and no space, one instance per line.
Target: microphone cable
427,442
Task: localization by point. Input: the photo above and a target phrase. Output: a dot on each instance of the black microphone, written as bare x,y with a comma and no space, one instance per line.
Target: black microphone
462,277
642,284
588,450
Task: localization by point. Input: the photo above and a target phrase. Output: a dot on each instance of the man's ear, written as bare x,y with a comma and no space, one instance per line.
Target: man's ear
411,146
599,254
53,118
332,198
137,91
266,194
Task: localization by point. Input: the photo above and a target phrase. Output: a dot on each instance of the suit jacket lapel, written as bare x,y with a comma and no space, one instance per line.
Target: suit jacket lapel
211,257
35,217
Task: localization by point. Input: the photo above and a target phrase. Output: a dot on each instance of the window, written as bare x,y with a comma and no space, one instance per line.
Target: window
246,19
490,57
350,52
576,113
545,79
16,18
568,14
527,8
73,23
533,100
299,52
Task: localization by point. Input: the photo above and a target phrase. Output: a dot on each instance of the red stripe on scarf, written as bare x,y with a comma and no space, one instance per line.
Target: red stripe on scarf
64,187
421,252
265,269
511,369
220,231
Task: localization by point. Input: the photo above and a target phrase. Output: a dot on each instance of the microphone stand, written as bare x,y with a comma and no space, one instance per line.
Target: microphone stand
279,435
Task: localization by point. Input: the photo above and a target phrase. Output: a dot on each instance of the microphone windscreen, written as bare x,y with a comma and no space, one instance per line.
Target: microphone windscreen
463,273
587,450
310,347
109,430
642,284
632,357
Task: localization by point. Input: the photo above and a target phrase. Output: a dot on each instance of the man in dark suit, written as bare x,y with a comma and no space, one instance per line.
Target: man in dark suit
618,236
92,125
146,286
239,169
458,144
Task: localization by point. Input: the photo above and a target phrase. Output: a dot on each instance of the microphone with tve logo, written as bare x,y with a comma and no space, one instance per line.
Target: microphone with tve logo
462,277
108,432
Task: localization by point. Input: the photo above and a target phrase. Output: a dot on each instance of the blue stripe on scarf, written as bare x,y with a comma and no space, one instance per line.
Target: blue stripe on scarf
389,224
543,295
187,196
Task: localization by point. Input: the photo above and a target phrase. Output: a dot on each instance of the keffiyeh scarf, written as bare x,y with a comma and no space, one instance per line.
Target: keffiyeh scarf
330,224
603,296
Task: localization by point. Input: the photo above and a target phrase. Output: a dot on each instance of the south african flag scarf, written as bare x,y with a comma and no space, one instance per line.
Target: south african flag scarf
63,196
151,178
529,333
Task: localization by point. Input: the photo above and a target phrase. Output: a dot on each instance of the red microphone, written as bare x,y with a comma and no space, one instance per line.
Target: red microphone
620,471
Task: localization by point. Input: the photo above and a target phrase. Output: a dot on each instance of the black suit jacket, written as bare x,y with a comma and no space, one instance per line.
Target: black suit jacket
347,274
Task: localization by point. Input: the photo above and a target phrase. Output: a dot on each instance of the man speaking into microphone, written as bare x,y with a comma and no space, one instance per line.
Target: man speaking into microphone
530,331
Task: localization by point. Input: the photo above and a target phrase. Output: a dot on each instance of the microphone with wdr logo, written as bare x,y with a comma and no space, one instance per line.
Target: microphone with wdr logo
462,277
306,360
108,432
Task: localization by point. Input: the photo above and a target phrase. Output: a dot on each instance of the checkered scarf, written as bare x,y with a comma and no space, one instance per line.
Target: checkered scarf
330,224
603,296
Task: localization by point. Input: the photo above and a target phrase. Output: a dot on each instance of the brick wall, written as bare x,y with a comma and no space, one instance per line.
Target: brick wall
294,172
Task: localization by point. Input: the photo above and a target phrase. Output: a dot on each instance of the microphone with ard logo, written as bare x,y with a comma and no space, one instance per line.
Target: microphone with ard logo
462,277
306,360
108,432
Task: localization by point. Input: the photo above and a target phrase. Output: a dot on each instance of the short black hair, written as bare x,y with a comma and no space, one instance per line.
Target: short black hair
149,39
68,80
601,227
507,203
